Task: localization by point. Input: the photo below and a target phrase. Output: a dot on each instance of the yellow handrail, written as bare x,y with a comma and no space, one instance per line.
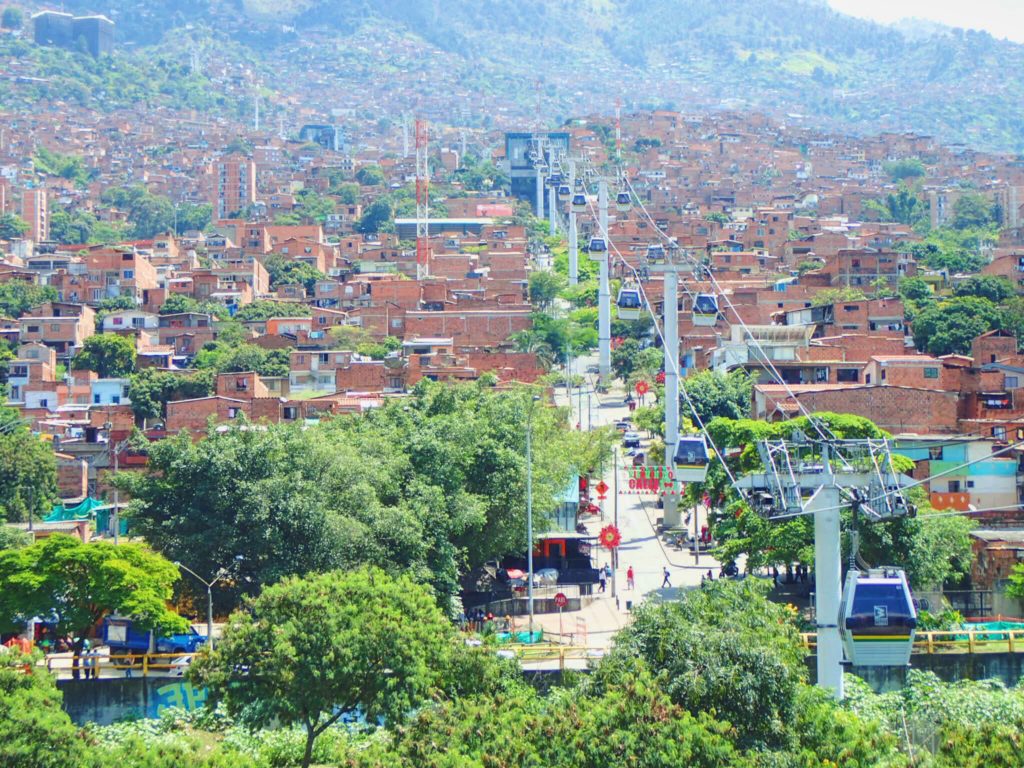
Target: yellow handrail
952,641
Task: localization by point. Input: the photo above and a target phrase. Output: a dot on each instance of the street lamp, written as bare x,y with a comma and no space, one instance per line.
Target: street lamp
209,593
529,509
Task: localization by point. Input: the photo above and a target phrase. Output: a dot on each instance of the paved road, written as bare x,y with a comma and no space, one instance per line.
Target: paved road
641,548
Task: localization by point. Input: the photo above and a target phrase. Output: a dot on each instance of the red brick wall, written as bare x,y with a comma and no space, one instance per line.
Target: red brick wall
892,408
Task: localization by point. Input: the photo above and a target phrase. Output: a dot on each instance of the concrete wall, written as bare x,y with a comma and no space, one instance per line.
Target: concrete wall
951,667
106,701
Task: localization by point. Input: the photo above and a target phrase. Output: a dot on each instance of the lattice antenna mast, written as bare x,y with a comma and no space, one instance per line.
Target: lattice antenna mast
422,202
618,129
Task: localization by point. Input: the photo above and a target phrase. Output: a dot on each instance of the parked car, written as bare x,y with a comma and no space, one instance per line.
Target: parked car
623,426
122,638
631,440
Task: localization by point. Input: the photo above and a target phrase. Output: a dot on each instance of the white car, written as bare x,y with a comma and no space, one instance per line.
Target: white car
179,666
631,440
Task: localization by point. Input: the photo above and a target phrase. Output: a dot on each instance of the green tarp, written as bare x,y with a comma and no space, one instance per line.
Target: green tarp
82,511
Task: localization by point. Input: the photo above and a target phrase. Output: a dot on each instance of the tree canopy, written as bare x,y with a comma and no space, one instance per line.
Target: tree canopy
310,651
28,471
79,583
431,487
108,354
949,327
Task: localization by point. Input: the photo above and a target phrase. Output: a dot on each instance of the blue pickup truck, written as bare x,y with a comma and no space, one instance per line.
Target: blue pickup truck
122,638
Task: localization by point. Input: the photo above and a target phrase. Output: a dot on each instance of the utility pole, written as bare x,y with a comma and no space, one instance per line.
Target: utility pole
529,509
574,252
552,196
604,318
615,517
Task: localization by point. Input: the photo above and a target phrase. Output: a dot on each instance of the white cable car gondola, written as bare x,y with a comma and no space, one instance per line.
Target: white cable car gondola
598,249
877,618
579,203
629,302
623,202
705,309
656,254
691,459
564,191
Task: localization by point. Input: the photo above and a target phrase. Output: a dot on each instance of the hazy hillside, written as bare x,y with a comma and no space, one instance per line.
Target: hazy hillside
784,55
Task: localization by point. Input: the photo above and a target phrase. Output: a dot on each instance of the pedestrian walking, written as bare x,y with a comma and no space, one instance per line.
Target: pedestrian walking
607,571
665,581
630,584
601,582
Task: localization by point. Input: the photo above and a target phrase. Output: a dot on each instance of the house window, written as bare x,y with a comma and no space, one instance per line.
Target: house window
241,384
117,320
954,486
931,373
290,412
33,329
96,399
115,399
935,454
847,375
128,274
850,307
884,373
232,413
820,375
54,327
970,483
1010,382
999,433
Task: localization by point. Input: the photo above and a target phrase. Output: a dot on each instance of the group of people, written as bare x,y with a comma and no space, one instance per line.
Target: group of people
605,575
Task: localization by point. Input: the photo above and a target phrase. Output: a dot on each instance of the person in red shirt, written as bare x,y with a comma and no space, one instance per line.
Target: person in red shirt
629,578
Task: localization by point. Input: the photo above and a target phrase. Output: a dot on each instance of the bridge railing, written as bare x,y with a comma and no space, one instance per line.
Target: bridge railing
952,641
144,664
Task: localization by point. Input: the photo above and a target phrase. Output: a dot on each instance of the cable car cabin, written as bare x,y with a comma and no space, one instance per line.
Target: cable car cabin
877,618
705,309
655,254
598,249
691,459
564,191
579,203
629,302
623,202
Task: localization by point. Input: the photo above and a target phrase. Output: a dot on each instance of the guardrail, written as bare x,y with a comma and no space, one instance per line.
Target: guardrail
952,641
145,664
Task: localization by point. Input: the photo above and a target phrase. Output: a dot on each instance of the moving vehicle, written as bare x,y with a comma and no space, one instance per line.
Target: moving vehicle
631,440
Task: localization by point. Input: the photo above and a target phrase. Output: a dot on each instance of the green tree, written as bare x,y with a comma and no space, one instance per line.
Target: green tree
35,732
28,471
71,228
12,226
349,336
259,311
108,354
904,169
718,395
178,302
148,214
545,287
285,271
949,327
916,289
79,584
310,651
370,176
314,207
192,217
995,288
828,296
70,167
972,211
377,217
726,650
347,193
13,18
150,390
17,298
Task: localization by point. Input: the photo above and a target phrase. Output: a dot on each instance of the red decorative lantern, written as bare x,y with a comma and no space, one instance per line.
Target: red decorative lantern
610,538
642,388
